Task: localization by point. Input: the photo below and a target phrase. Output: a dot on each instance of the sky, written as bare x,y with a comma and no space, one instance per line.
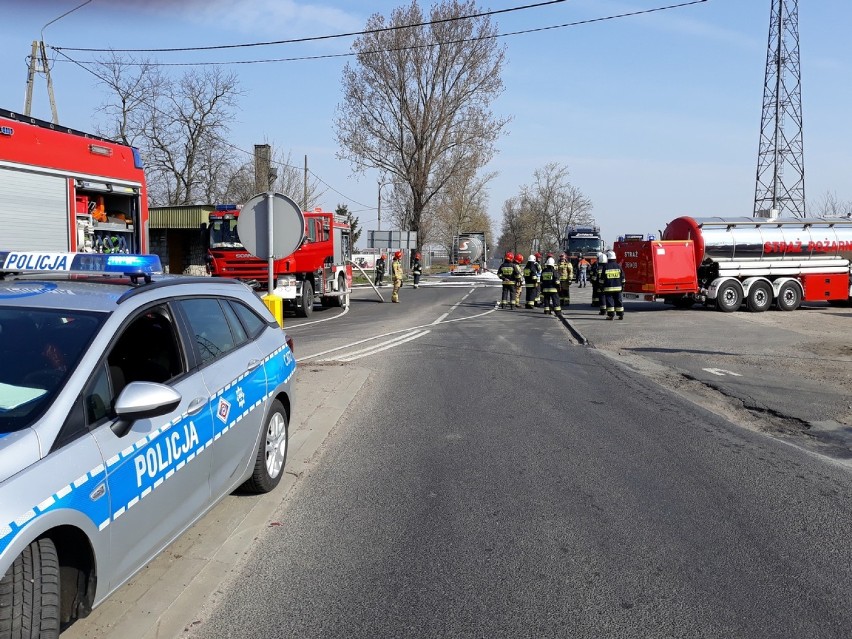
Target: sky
655,116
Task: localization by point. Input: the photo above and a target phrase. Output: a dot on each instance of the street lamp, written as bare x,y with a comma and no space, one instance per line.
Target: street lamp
379,207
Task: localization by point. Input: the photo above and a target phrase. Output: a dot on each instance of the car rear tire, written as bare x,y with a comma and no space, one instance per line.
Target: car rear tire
307,300
29,594
759,297
271,452
729,297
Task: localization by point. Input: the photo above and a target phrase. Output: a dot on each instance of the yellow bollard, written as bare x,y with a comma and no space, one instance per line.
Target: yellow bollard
275,304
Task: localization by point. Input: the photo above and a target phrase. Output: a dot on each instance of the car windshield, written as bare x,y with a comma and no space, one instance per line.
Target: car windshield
39,349
223,234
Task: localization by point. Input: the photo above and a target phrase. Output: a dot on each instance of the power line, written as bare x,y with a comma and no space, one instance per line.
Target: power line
317,38
433,44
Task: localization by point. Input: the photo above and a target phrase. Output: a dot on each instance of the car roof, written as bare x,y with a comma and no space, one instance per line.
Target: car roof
98,293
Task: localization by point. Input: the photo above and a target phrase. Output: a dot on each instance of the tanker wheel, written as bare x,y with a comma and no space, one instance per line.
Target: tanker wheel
343,300
789,297
307,301
759,297
729,297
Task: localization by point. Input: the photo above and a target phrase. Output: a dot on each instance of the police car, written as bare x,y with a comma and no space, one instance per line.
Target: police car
130,403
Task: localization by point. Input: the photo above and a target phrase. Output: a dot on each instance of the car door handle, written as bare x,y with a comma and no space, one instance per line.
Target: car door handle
196,405
253,363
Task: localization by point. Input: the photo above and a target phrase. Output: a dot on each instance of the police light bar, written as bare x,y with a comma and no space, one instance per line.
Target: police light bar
102,263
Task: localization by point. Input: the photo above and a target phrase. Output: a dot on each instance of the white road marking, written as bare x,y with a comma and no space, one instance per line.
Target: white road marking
721,372
382,347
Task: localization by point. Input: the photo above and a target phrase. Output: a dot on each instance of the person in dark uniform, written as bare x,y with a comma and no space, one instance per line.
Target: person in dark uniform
417,270
508,273
598,300
612,286
550,287
380,269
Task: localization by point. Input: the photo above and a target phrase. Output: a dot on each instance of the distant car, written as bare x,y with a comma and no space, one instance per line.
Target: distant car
130,403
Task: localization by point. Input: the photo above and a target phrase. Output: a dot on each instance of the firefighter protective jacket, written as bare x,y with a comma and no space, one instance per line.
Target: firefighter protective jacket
417,269
396,270
531,273
509,273
611,277
566,272
549,280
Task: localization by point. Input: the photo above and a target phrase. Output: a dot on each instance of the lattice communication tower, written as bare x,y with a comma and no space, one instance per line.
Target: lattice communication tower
780,161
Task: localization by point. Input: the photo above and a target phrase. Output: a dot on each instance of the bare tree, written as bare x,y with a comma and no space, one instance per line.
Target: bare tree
180,125
538,215
462,206
829,205
417,102
290,180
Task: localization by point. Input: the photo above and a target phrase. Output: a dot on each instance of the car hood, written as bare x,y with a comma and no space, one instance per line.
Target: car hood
17,451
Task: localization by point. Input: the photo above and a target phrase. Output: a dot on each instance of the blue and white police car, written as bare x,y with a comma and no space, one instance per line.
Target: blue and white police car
130,403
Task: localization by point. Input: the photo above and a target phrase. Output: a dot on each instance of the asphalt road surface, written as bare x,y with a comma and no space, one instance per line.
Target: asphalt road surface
493,478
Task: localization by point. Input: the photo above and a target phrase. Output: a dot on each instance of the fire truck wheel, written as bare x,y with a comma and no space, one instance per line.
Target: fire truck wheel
729,297
343,300
307,301
759,297
789,297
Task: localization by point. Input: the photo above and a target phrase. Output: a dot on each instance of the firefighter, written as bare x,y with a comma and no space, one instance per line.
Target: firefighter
519,282
396,274
531,275
566,274
598,300
508,275
550,287
612,285
380,269
539,263
417,269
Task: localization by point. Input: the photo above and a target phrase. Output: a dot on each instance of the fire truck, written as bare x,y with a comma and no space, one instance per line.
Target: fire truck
320,269
65,190
726,262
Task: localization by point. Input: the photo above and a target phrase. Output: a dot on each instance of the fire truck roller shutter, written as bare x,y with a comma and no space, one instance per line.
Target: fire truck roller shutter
33,208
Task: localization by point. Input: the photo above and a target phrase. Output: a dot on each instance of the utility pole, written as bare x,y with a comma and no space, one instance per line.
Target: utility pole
262,168
38,64
780,184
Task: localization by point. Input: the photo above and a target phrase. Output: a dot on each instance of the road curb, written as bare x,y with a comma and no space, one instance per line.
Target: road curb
573,330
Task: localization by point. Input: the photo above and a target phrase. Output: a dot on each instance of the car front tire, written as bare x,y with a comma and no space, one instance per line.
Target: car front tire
29,594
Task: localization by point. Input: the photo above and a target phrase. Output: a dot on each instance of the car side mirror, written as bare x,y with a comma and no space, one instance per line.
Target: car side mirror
142,400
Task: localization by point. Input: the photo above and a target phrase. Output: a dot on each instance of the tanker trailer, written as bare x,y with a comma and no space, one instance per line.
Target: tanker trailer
468,257
753,260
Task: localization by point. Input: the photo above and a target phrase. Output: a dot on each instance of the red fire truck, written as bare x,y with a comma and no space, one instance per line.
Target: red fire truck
65,190
319,269
728,262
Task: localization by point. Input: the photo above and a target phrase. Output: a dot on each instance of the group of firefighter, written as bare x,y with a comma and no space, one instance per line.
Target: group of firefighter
548,285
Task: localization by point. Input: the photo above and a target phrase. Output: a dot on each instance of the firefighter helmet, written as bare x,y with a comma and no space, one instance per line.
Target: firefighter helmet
519,258
532,258
610,255
550,261
538,255
601,258
397,255
509,256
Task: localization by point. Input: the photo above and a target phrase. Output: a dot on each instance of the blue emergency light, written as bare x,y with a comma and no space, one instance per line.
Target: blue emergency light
101,263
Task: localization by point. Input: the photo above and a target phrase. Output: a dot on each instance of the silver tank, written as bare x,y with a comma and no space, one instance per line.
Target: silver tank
747,238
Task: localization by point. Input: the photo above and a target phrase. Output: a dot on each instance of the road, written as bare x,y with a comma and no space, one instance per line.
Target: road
494,478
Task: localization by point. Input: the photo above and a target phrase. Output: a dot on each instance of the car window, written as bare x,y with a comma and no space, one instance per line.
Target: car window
253,324
237,329
209,327
39,349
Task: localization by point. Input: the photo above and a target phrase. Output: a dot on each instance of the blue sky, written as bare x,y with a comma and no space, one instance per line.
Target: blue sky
655,116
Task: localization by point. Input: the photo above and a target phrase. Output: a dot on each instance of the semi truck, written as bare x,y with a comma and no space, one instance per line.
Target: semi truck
582,242
728,262
66,190
319,270
469,253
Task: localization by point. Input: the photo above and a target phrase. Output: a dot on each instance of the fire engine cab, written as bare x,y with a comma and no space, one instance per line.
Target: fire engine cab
65,190
320,269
